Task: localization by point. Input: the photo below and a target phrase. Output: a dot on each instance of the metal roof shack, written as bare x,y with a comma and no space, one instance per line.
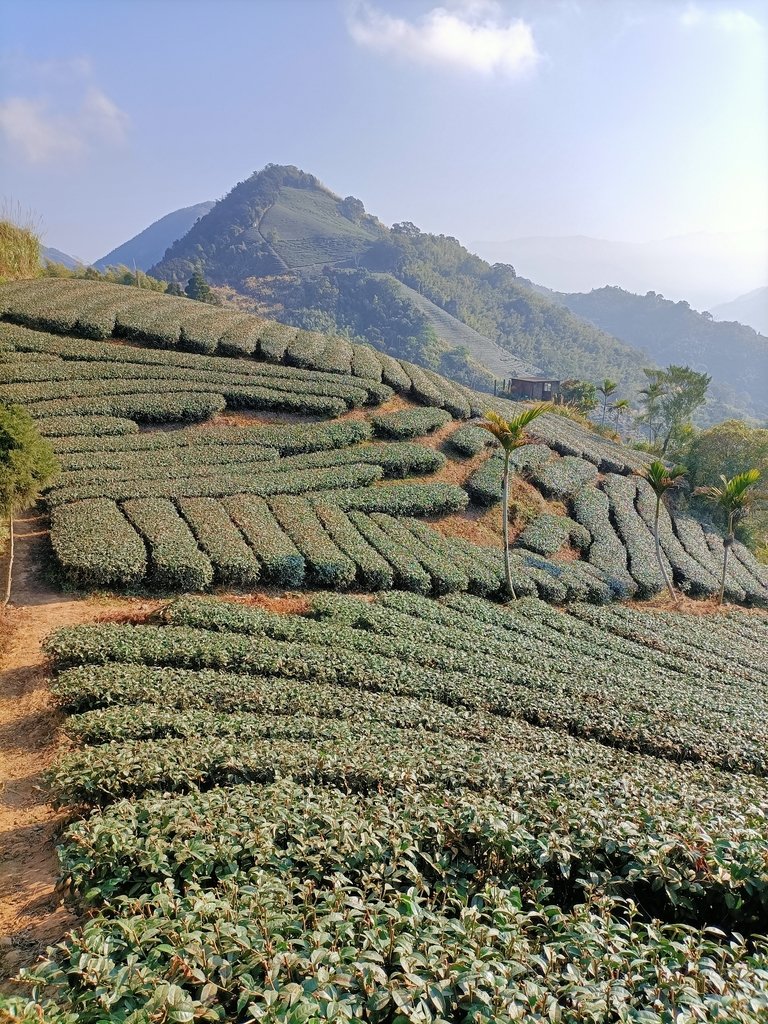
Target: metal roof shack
529,387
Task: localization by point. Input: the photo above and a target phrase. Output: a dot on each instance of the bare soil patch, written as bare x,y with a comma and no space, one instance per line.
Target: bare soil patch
32,913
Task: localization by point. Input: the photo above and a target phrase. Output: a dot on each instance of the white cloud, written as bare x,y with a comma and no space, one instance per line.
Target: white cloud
474,38
37,135
726,19
102,118
58,112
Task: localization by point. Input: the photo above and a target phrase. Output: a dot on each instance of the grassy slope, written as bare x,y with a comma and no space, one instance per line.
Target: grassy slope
501,362
309,230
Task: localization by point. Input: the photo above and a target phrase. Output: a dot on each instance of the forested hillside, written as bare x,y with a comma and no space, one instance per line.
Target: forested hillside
313,259
735,355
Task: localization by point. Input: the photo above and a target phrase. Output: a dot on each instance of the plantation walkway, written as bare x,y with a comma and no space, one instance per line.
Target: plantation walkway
31,914
31,911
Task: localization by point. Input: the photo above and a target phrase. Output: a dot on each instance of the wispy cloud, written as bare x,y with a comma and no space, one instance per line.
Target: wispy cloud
725,19
58,112
474,37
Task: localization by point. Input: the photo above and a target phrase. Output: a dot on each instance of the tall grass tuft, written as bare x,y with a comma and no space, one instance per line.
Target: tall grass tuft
19,243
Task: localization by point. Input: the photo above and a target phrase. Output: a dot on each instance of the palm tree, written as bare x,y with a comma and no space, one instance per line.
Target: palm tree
511,435
651,397
661,481
734,499
621,409
606,389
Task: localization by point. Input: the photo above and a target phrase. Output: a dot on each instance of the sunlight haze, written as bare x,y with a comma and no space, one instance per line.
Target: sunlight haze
627,122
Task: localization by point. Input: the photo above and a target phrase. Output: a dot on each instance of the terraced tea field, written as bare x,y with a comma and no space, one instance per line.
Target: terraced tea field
354,784
332,501
414,810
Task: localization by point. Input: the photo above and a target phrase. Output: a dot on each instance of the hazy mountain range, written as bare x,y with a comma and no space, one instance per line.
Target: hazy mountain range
704,269
288,247
751,309
150,244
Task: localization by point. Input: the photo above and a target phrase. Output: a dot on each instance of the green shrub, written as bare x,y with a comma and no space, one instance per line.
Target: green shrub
176,562
95,546
410,423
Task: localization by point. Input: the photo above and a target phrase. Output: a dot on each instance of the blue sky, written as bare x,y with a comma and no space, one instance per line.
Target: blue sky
485,120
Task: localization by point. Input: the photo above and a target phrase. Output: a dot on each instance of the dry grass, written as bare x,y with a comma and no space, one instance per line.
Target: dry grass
690,606
19,252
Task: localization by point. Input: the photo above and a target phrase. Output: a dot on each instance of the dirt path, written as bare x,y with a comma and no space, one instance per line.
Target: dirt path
31,911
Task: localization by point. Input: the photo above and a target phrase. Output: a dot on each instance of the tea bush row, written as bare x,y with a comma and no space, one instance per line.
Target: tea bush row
409,423
220,484
669,717
288,439
547,534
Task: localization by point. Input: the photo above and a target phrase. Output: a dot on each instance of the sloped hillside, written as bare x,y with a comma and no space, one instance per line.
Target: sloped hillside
354,785
192,508
149,246
284,239
734,355
750,309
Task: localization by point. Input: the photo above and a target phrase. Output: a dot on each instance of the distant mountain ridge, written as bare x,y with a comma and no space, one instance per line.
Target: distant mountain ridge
704,269
292,249
750,309
57,256
734,355
149,245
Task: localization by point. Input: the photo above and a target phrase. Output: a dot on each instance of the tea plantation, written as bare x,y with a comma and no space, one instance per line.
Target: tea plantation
407,801
106,370
414,810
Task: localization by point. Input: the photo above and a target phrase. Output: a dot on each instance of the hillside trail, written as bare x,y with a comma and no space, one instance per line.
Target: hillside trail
32,914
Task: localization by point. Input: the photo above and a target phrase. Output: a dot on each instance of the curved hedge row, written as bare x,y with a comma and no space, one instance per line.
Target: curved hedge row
281,561
591,509
215,485
562,478
95,545
547,533
54,427
637,537
233,561
485,484
175,560
409,423
326,565
288,439
401,499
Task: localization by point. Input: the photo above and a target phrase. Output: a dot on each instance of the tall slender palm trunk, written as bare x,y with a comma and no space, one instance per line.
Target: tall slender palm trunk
505,529
727,542
659,559
9,570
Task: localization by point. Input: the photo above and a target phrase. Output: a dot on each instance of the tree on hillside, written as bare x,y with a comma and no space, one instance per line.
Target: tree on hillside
661,481
733,499
510,434
582,394
727,449
27,465
199,289
651,398
621,409
606,389
683,391
352,208
174,288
